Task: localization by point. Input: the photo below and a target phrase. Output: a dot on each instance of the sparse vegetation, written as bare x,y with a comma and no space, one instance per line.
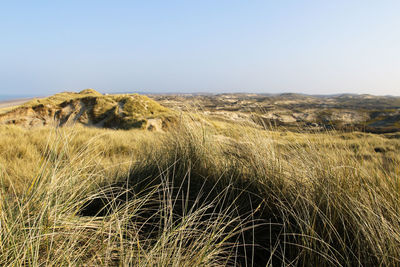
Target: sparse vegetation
367,113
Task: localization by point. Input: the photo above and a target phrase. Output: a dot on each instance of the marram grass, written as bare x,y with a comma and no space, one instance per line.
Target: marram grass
199,195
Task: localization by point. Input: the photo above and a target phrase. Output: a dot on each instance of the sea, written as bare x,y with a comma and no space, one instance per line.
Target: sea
12,97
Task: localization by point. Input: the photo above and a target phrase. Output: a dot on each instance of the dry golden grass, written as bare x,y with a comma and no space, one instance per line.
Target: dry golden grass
7,109
119,111
204,194
61,97
24,150
133,105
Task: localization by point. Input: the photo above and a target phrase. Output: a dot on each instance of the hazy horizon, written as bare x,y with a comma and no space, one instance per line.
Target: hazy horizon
7,97
309,47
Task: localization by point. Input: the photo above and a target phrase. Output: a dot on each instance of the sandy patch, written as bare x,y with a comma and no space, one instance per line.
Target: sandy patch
14,102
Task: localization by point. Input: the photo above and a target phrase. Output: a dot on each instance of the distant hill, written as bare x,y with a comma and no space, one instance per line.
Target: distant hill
377,114
91,108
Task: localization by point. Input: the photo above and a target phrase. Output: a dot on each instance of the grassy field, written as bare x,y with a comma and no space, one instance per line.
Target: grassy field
205,193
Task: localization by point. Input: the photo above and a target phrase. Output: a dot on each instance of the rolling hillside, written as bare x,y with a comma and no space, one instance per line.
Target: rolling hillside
91,108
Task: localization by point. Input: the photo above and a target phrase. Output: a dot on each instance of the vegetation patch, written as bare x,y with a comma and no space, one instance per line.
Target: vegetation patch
198,195
91,108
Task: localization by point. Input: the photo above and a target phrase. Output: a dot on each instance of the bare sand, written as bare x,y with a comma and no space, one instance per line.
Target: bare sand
14,102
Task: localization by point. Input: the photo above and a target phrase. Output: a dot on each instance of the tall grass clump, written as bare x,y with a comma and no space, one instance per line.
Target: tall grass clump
315,202
202,194
45,222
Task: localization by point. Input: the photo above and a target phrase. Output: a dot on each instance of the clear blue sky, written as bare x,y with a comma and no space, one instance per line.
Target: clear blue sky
315,47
